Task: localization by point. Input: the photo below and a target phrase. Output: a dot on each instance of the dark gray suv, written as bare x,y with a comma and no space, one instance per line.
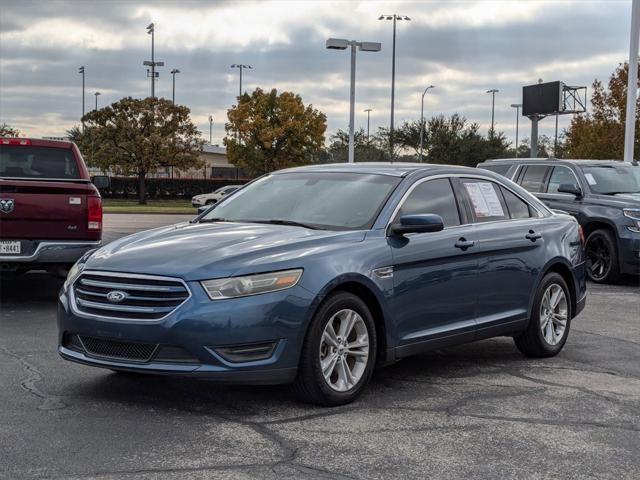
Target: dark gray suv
603,195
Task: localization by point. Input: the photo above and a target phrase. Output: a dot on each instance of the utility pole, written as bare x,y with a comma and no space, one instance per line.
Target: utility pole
210,129
517,107
493,92
632,84
394,17
342,44
173,90
555,142
81,71
96,95
422,119
241,67
153,64
368,110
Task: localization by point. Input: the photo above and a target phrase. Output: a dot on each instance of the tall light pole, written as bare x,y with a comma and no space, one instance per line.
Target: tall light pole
241,67
153,64
210,129
96,95
493,92
632,82
342,44
422,119
173,89
81,71
517,107
393,17
368,110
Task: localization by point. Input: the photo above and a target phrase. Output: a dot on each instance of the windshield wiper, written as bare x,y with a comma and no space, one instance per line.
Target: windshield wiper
211,220
291,223
619,193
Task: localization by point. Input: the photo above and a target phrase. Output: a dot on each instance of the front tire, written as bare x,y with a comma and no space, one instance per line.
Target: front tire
602,257
550,320
339,352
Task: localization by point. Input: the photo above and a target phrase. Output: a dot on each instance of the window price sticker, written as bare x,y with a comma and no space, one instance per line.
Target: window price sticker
484,199
590,179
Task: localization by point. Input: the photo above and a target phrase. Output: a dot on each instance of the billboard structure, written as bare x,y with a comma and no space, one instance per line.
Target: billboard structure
551,98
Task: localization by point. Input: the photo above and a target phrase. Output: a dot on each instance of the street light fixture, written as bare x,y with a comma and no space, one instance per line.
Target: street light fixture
241,67
517,106
395,17
173,90
96,95
153,64
422,119
493,92
342,44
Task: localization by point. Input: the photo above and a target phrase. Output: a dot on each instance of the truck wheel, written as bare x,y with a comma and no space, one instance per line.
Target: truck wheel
602,257
548,327
339,352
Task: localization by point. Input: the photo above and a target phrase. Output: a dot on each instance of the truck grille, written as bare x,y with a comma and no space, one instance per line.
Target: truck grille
127,296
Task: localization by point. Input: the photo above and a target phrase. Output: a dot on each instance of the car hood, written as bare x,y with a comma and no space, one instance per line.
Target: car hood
196,251
620,200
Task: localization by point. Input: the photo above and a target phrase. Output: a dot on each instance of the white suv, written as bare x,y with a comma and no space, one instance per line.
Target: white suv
214,197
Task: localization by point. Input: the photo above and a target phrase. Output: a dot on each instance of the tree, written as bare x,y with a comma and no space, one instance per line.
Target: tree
7,131
268,131
600,134
364,151
137,136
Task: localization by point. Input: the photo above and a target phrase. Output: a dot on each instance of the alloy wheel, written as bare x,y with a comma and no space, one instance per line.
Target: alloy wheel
599,258
554,312
344,350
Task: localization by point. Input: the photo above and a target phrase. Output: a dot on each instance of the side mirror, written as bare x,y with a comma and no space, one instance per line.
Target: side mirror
570,188
101,181
418,224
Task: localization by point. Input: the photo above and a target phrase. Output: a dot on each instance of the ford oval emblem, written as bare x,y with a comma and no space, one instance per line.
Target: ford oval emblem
116,296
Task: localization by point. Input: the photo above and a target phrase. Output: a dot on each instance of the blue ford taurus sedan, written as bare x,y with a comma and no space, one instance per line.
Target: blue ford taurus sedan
316,275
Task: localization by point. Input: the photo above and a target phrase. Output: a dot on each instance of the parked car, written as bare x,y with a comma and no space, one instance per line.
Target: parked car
604,196
315,275
50,212
213,197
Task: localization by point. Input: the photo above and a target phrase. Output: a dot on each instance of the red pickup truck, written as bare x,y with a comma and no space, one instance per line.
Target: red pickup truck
50,211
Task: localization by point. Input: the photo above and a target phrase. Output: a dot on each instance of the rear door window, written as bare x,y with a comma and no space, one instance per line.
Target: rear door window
486,201
559,176
26,161
517,207
435,197
533,177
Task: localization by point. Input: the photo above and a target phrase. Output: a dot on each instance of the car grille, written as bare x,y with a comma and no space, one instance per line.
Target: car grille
128,296
114,349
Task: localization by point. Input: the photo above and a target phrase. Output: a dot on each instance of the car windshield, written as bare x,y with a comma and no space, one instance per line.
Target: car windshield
324,200
613,179
20,161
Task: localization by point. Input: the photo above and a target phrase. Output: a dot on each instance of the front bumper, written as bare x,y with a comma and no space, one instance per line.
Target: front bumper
58,251
204,329
629,252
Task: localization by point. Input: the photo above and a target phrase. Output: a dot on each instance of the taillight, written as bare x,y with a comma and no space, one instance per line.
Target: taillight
581,234
94,213
15,141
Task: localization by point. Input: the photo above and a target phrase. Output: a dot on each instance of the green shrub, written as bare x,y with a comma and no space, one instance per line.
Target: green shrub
164,188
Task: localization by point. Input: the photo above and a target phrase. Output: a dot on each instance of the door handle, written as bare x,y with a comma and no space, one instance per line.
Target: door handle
533,236
463,243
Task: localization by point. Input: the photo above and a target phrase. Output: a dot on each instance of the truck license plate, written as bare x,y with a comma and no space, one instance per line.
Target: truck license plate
9,248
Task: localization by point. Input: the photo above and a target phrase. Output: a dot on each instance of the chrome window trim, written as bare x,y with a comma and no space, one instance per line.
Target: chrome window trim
461,175
74,309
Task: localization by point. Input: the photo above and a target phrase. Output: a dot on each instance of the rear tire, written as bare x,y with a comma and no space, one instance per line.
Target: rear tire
339,352
550,320
602,257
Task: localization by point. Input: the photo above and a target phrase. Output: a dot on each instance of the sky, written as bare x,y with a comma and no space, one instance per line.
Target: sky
463,48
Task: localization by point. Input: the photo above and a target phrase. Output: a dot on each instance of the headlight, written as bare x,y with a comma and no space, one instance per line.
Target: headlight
633,214
77,269
233,287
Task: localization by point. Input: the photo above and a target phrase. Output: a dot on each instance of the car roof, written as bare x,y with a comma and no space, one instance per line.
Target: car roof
396,169
551,159
41,142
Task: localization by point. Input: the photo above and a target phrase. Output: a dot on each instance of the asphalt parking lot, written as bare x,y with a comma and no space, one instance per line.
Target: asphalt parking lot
476,411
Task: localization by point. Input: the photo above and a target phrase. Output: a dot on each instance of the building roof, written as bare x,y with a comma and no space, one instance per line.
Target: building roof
215,149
